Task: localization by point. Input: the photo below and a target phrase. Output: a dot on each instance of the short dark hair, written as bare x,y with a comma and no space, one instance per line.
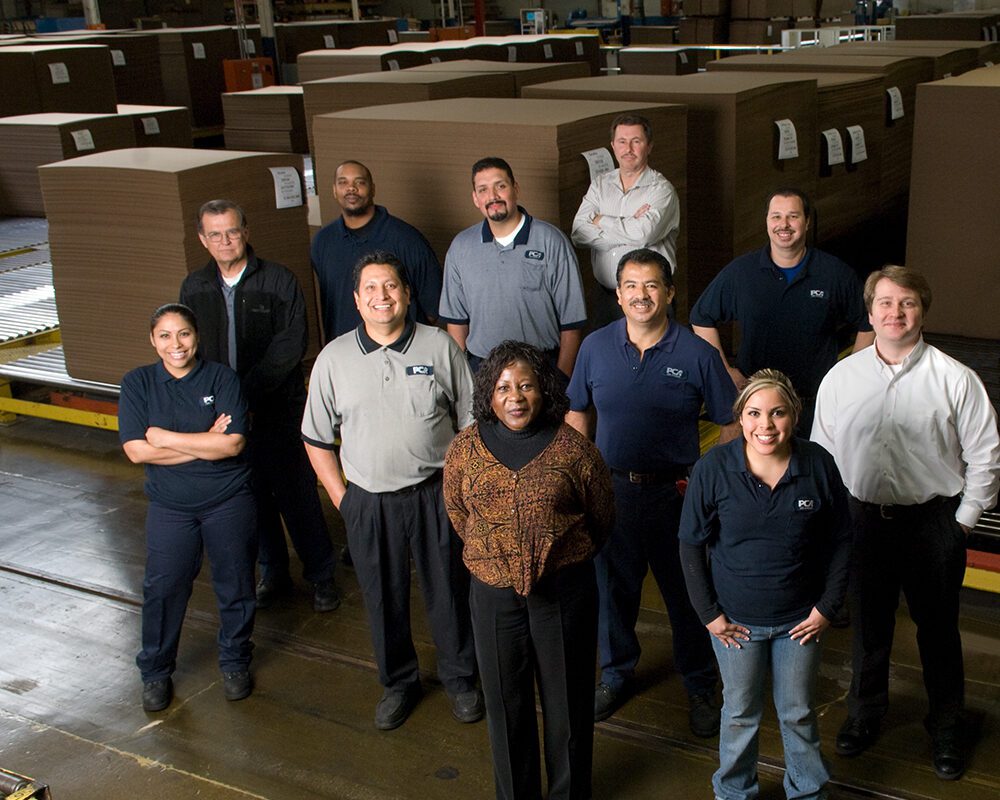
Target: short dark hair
555,403
174,308
216,207
368,172
790,191
380,257
645,257
901,276
491,162
630,118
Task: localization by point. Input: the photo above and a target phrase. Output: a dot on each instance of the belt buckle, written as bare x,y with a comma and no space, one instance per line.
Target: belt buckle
885,511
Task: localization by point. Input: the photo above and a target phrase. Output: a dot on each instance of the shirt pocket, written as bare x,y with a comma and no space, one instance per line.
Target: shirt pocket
532,276
421,395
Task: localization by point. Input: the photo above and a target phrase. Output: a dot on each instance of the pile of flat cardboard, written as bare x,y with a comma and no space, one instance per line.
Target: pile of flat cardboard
51,77
746,137
974,25
949,59
159,126
661,60
270,119
28,141
420,155
521,73
294,38
953,236
100,207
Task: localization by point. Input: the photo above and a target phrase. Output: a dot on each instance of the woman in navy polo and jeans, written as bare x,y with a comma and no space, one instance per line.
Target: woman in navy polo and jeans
185,420
765,542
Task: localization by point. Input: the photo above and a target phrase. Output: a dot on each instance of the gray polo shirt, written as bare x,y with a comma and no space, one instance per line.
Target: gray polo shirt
399,406
529,290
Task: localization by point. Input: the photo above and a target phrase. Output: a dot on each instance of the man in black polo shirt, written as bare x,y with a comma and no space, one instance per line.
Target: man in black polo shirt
252,316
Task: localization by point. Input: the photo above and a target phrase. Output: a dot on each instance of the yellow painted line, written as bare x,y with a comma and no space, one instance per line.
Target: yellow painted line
982,579
74,416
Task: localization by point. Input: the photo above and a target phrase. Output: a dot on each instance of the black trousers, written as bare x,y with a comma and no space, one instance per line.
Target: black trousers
284,486
383,530
920,551
549,636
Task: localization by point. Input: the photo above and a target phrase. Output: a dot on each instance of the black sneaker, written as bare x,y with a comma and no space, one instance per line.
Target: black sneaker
856,735
703,715
237,685
395,706
607,701
467,706
325,596
156,695
270,588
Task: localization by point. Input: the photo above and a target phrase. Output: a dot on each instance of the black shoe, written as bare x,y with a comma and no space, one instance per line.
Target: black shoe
948,755
325,596
156,695
237,685
607,701
395,706
271,588
467,706
704,715
856,735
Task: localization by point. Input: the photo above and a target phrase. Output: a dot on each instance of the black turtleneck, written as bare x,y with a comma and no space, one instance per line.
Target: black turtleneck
514,449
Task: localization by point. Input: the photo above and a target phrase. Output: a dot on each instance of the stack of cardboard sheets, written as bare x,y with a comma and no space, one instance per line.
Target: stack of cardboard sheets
27,142
663,60
900,76
974,25
746,137
270,119
191,60
294,38
318,64
953,236
421,154
52,77
949,59
522,74
987,53
404,86
100,207
159,126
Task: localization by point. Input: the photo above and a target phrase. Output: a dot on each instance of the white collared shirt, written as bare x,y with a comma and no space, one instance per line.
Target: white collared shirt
910,434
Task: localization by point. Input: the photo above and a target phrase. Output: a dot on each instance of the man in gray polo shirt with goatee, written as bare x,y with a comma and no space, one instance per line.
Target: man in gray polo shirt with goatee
399,391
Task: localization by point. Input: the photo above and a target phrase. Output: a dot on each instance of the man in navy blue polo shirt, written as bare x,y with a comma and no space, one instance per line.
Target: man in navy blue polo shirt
639,384
790,300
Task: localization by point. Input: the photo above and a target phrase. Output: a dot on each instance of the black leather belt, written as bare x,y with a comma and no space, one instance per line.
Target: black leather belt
671,475
900,511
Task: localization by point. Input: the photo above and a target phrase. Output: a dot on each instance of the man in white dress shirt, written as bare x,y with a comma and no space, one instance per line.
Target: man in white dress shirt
915,438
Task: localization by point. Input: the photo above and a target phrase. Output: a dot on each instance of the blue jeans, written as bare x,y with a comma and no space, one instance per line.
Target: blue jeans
793,668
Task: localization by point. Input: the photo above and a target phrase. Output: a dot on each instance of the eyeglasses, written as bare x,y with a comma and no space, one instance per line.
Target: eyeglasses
233,234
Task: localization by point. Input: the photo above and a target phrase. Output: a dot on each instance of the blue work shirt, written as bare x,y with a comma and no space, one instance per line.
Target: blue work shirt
648,407
152,397
773,554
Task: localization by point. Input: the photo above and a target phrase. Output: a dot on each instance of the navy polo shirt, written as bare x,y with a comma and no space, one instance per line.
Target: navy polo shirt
337,248
786,325
648,408
773,554
152,397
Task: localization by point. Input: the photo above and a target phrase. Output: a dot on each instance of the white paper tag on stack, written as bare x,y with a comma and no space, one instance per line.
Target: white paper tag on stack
82,139
859,150
788,140
287,187
599,161
151,125
59,72
834,147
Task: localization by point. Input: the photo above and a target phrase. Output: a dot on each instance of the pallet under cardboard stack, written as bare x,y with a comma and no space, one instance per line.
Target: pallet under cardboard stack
29,141
420,155
953,236
271,119
100,206
737,151
404,86
64,78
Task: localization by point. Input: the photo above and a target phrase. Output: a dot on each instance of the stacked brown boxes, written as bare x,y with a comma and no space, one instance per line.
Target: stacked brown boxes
850,122
31,140
949,59
521,74
760,21
70,78
657,61
191,60
404,86
953,236
421,154
271,119
975,25
705,22
159,126
98,208
653,34
738,151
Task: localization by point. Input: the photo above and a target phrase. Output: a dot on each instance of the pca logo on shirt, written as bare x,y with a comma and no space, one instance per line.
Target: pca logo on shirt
675,372
817,294
807,504
208,400
420,369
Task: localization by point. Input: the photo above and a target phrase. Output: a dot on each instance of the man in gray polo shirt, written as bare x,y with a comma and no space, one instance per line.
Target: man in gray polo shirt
512,277
399,391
